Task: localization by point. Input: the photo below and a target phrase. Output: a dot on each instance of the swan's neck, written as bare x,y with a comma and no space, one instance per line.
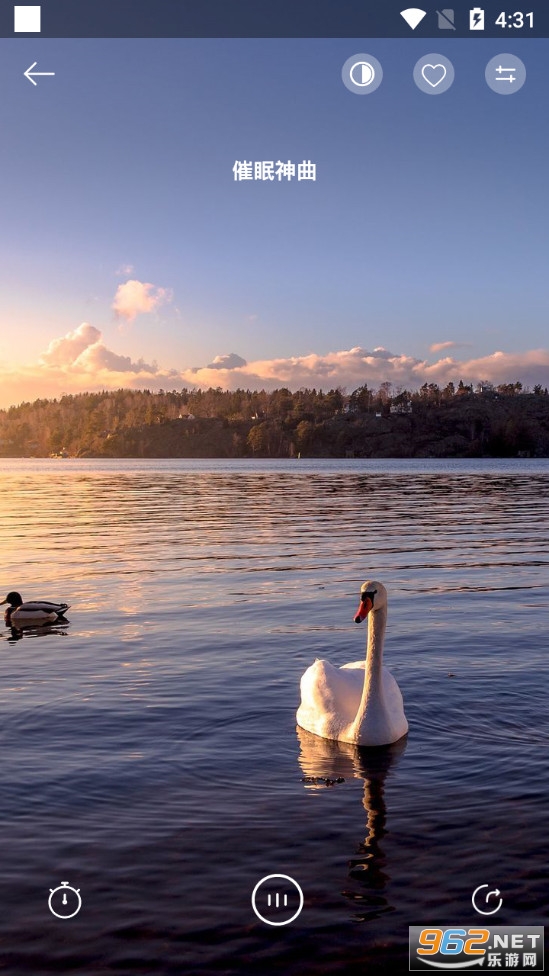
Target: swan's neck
372,692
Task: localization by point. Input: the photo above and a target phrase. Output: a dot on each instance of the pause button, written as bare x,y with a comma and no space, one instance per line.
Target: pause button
277,899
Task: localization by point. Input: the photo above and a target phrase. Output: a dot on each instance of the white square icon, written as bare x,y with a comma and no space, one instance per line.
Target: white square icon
26,20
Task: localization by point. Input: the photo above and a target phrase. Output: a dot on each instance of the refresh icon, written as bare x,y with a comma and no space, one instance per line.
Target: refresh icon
486,902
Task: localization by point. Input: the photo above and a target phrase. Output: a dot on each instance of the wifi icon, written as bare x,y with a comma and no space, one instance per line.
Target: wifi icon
413,16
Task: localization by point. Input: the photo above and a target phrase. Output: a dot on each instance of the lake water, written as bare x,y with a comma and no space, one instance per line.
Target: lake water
149,750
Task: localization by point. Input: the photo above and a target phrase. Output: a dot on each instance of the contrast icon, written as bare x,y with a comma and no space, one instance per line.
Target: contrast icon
64,901
505,74
277,899
486,900
413,16
362,73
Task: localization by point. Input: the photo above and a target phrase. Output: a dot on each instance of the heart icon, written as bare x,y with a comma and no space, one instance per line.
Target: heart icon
433,74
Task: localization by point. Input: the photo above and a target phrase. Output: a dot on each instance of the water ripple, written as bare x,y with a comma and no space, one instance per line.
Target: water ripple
152,739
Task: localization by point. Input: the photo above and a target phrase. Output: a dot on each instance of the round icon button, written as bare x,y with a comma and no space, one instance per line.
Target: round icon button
362,74
505,74
486,901
277,899
434,74
64,901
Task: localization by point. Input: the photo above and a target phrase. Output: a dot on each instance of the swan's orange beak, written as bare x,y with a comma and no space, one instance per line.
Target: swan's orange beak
364,608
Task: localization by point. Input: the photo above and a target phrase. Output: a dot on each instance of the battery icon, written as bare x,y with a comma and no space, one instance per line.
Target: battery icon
476,19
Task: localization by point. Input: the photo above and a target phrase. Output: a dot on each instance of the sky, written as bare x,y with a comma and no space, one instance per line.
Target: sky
130,256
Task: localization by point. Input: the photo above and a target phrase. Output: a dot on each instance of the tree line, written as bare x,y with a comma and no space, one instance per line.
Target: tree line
454,420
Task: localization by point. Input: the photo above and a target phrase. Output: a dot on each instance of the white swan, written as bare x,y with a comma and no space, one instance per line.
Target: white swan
361,702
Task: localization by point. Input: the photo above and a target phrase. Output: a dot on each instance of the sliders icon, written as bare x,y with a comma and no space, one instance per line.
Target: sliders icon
413,16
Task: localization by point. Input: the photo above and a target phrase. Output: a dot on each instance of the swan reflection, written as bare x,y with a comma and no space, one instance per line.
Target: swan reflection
328,763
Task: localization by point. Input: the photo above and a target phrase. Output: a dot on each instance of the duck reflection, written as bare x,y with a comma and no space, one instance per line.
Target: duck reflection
44,630
329,763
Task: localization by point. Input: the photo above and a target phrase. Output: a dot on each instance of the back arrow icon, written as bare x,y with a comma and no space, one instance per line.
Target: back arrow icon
30,74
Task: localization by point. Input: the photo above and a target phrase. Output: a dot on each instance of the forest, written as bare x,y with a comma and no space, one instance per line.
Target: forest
454,421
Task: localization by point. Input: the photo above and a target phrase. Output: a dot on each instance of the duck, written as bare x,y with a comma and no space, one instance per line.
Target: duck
359,703
35,612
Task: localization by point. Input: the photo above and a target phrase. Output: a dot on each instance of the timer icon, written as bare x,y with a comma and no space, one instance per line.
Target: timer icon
64,901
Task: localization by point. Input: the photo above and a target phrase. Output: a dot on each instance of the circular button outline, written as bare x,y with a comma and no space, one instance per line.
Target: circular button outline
269,877
480,910
518,66
363,64
65,886
434,61
356,87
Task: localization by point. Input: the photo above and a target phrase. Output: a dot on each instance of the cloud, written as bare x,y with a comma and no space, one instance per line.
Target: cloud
64,351
440,346
351,368
228,361
98,358
80,361
124,270
83,351
137,297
